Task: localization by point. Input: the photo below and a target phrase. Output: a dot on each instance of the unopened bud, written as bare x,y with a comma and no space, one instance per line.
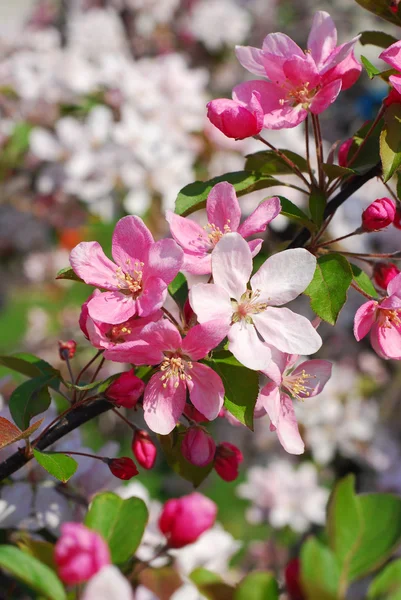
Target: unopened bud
193,413
227,461
384,273
198,447
292,575
378,215
397,218
144,449
67,349
126,389
343,152
184,519
123,468
237,119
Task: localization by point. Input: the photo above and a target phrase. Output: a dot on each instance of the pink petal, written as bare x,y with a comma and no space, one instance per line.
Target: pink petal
287,331
395,81
394,287
222,207
206,390
162,335
301,69
284,276
364,319
153,295
390,303
165,259
232,264
277,366
261,217
281,45
131,240
325,97
269,398
320,370
163,406
247,347
389,341
285,117
251,59
197,264
135,352
287,428
392,55
270,94
91,264
340,54
201,339
255,246
191,236
112,307
210,302
347,70
322,39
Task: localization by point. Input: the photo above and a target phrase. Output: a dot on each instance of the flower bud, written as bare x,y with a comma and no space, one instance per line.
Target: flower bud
343,152
67,349
384,273
378,215
235,119
126,389
123,468
144,449
79,553
292,575
227,461
183,520
397,218
198,447
193,413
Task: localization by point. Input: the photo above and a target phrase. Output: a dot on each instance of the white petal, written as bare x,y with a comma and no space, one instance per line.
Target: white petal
287,331
108,584
210,302
247,347
232,264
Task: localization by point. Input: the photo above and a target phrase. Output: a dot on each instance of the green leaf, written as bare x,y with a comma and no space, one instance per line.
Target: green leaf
291,210
257,586
390,141
211,586
371,70
317,204
31,366
100,386
32,573
377,38
120,522
387,584
43,551
68,273
30,399
381,8
61,466
363,280
178,289
319,571
328,288
241,386
369,154
171,446
269,163
193,196
334,171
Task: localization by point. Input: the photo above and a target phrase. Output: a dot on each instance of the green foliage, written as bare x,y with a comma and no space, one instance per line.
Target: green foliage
31,366
371,70
13,152
363,280
30,399
269,163
211,585
171,446
381,8
61,466
31,572
334,171
68,273
328,288
100,386
377,38
241,386
178,289
291,210
193,196
120,522
317,204
257,586
319,571
390,141
369,154
387,585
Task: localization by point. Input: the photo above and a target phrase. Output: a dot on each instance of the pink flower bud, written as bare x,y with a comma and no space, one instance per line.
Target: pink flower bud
193,413
67,349
144,449
397,218
184,519
80,553
379,214
343,152
126,389
394,97
384,273
292,575
123,468
198,447
235,119
227,461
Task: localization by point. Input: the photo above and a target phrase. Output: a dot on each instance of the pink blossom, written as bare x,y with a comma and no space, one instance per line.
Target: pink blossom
276,397
126,389
227,461
144,449
298,82
165,395
184,519
379,214
198,447
79,553
137,282
224,215
383,320
250,315
392,56
235,119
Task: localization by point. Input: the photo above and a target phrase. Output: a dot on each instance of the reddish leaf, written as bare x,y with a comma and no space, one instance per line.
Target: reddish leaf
9,433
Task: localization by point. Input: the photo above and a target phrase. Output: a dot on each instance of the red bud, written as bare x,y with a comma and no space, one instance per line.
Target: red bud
227,461
198,447
123,468
126,389
67,349
292,575
384,273
397,218
144,449
379,214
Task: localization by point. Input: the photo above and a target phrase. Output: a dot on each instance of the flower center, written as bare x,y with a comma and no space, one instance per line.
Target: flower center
299,95
298,386
118,332
247,306
389,318
130,282
176,367
214,233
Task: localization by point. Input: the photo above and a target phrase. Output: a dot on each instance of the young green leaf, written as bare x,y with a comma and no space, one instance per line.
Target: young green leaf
328,288
320,573
371,70
29,399
211,585
257,586
31,366
291,211
387,584
390,141
334,171
178,289
377,38
363,280
317,204
381,8
68,273
120,522
269,163
61,466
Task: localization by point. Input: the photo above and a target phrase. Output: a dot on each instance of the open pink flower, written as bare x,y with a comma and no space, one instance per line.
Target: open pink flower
383,320
224,215
166,392
252,315
298,82
392,56
276,397
137,282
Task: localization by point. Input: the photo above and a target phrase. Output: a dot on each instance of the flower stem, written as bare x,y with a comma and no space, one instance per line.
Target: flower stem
358,289
172,319
132,425
319,149
357,231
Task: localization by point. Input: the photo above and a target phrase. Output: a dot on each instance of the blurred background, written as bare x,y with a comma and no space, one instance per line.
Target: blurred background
102,114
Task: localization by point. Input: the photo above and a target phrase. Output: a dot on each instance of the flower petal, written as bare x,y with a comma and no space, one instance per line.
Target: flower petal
165,259
197,264
287,428
163,406
162,335
281,45
131,240
112,307
247,347
394,287
300,69
137,353
389,341
255,246
191,236
206,390
392,55
322,39
287,331
319,370
222,206
325,97
269,398
210,302
108,583
232,264
395,81
285,117
270,94
261,217
91,264
364,319
251,59
201,339
284,276
152,297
